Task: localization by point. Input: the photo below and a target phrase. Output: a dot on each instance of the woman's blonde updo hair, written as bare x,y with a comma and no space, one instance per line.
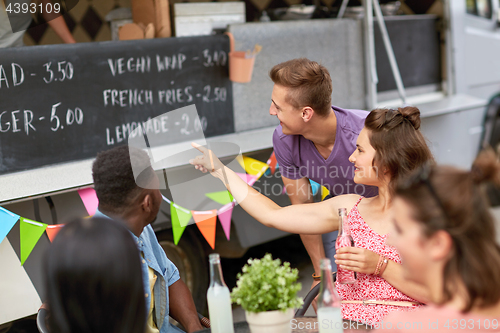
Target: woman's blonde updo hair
400,147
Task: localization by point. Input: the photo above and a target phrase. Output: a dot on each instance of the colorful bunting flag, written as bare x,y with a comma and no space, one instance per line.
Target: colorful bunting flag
252,180
249,179
225,213
89,199
314,186
254,167
180,218
272,162
206,221
7,221
222,197
183,215
243,176
31,231
53,230
324,192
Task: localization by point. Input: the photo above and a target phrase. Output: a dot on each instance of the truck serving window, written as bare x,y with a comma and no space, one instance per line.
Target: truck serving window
481,8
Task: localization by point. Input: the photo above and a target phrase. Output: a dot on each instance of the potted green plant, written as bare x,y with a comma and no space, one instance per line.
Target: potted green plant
267,291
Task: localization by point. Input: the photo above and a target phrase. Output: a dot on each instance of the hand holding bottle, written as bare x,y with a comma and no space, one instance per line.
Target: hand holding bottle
357,259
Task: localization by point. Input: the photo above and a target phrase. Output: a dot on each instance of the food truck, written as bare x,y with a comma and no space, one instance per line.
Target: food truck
61,104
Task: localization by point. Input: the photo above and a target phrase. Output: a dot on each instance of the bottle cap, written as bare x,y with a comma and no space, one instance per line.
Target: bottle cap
325,263
214,258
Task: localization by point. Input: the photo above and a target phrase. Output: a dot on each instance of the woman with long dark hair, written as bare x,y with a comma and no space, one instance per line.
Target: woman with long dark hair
445,233
93,279
389,147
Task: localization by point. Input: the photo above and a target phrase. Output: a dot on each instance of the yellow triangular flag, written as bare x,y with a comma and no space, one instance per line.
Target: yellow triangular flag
31,231
324,192
254,167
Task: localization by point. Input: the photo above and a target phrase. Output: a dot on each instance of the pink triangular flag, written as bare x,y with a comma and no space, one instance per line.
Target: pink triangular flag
249,179
89,199
225,213
243,176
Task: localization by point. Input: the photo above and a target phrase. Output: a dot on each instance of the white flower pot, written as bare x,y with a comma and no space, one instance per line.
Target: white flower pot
270,321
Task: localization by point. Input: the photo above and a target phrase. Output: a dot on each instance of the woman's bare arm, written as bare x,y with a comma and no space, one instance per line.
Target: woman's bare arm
395,276
312,218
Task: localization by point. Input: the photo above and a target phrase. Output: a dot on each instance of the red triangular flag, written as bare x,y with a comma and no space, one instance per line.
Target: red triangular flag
272,162
206,222
52,231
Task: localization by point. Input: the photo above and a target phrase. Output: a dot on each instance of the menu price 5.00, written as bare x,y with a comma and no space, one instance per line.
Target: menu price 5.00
25,120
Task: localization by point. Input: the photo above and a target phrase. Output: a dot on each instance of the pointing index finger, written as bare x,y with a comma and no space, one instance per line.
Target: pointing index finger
199,147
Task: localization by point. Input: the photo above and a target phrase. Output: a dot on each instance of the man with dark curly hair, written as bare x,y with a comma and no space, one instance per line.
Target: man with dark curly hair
120,198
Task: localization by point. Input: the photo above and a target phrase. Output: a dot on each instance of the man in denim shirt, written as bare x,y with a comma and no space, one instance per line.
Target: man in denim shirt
120,198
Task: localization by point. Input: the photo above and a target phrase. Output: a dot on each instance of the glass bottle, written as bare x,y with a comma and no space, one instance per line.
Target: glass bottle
344,239
329,314
218,299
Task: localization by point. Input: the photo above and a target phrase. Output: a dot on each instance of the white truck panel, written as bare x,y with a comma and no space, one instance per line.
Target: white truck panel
19,297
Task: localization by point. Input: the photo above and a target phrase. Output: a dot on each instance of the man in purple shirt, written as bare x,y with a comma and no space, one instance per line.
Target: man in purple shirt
313,141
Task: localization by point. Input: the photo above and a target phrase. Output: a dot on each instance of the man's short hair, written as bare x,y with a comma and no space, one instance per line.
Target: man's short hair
309,82
114,180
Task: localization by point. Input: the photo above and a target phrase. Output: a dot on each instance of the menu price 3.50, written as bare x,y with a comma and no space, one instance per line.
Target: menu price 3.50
15,75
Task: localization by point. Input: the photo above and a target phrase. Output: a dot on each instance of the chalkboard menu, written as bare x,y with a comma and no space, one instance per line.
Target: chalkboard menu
63,103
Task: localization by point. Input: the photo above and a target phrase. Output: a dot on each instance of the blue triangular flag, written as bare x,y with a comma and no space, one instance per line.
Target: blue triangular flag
315,186
7,221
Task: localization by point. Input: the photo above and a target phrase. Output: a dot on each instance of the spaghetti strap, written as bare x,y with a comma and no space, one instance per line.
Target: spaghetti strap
359,200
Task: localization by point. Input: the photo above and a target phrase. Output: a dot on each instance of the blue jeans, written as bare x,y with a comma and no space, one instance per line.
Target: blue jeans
329,240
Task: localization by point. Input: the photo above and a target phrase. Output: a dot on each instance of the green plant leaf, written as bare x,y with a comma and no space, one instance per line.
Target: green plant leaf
267,285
